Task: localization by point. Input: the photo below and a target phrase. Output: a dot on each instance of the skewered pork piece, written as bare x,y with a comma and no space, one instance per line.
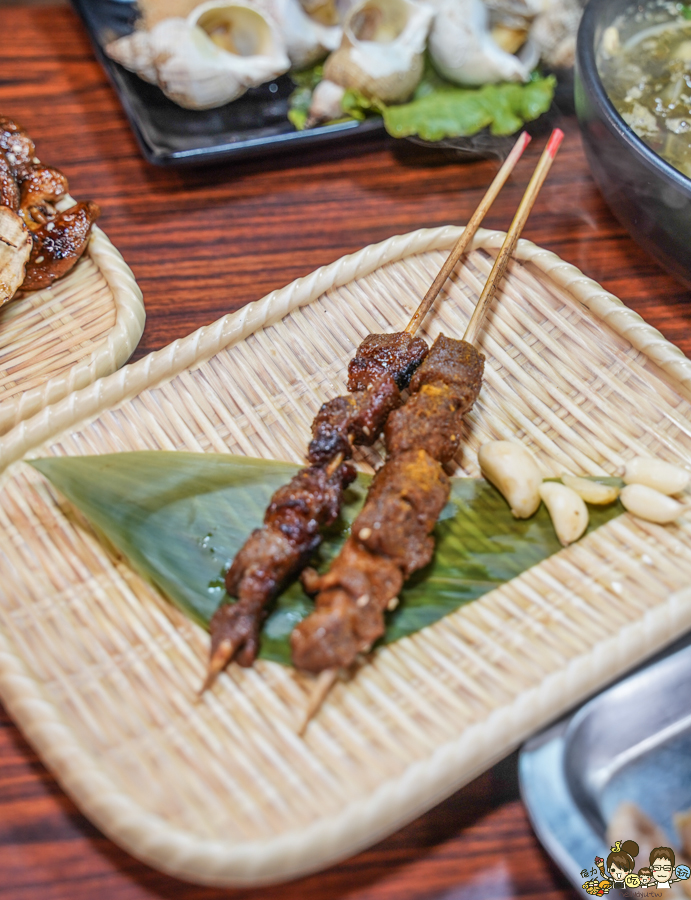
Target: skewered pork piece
29,191
279,550
391,537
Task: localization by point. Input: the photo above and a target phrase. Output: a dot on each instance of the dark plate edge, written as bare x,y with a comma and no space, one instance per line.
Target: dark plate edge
207,155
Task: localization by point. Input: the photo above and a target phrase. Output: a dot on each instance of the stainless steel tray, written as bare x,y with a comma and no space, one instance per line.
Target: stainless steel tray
630,743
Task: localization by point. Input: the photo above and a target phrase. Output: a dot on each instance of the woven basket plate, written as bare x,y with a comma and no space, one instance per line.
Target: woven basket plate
60,339
101,673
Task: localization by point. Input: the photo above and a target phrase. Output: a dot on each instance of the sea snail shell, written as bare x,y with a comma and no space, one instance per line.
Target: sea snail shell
381,53
463,50
135,52
247,50
306,40
210,58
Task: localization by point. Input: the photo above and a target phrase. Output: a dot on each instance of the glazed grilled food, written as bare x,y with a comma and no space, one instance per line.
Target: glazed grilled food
279,550
38,244
391,537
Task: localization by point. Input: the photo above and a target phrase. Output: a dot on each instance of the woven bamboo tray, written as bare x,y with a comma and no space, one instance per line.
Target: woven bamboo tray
60,339
101,673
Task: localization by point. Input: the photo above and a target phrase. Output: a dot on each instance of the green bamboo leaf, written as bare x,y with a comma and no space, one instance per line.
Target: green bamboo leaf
180,518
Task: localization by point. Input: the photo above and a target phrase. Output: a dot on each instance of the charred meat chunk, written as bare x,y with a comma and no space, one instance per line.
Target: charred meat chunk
9,189
455,363
350,615
352,419
16,145
275,553
397,355
430,421
402,507
40,187
330,430
59,244
311,500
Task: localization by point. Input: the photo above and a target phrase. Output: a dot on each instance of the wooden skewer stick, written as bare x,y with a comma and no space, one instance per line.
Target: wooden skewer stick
327,678
458,249
469,232
216,665
512,235
322,685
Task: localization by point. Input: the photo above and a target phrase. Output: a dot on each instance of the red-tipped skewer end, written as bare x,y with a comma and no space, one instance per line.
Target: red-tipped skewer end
555,140
519,147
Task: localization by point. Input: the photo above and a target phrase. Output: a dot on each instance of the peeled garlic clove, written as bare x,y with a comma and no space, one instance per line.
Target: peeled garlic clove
15,249
513,471
567,510
134,52
591,491
657,474
649,504
381,53
463,50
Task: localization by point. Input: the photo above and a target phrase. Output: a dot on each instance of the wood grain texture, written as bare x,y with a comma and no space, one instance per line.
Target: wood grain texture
202,244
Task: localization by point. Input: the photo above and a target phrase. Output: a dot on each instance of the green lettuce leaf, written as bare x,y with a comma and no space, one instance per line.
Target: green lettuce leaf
180,518
441,110
299,101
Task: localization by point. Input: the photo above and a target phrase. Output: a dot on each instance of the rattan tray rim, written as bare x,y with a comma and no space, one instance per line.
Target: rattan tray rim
110,355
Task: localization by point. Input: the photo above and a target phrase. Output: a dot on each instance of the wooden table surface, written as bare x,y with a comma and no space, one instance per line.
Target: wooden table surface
201,244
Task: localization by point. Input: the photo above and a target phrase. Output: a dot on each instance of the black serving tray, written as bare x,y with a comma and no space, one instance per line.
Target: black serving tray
255,124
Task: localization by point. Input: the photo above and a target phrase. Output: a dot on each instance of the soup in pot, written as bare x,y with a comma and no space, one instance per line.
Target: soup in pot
647,77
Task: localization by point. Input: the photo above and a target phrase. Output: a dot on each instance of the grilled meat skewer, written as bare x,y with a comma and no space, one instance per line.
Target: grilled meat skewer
382,366
298,511
275,553
391,537
349,609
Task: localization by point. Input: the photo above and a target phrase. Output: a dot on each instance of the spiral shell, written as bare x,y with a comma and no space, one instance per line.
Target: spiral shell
462,47
208,59
381,53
